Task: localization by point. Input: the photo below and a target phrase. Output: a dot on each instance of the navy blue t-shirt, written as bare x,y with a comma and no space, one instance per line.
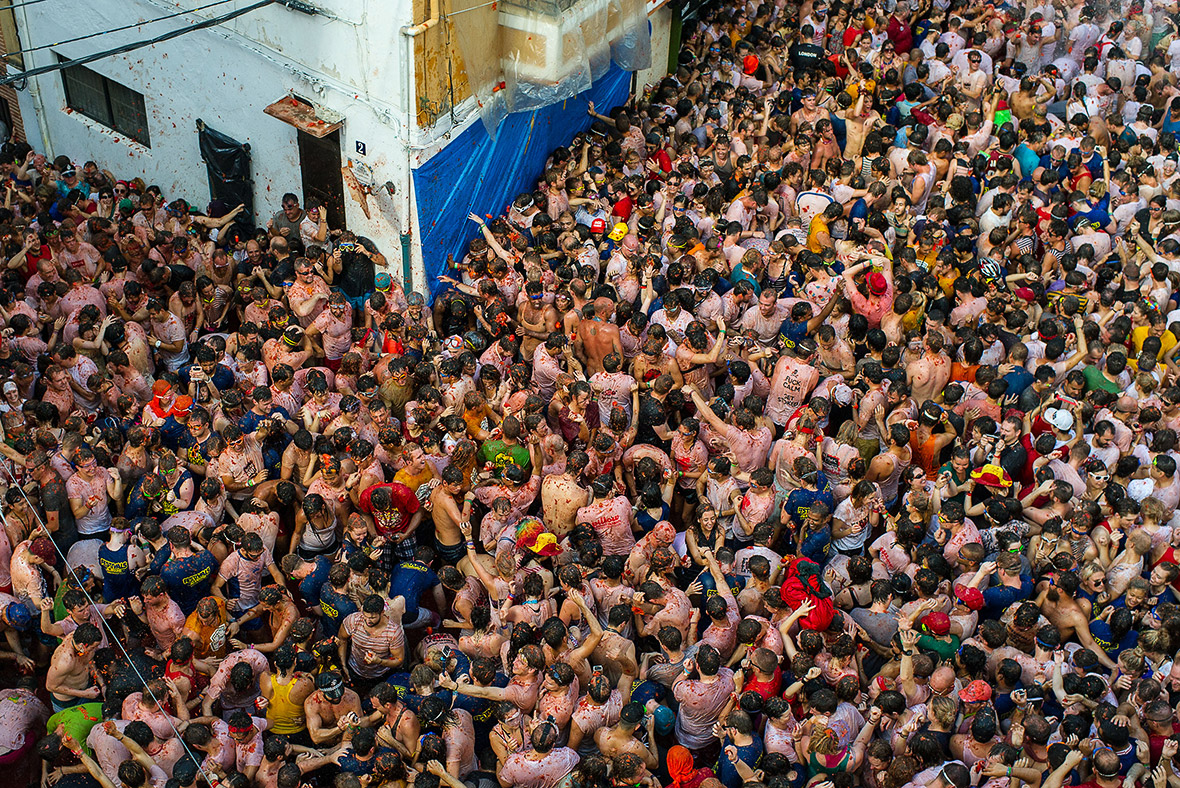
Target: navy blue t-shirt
350,763
249,423
1100,631
800,501
310,586
409,580
335,607
483,711
998,598
750,754
223,376
189,579
1018,380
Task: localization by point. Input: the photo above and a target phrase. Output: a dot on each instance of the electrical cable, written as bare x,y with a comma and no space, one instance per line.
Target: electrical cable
114,638
19,5
205,23
113,29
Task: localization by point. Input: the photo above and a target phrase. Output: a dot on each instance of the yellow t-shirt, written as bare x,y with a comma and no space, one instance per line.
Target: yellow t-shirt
1167,340
818,225
414,482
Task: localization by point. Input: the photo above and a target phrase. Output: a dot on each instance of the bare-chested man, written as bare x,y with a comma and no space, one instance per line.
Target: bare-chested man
930,374
398,725
596,339
620,739
809,113
562,495
859,119
448,513
537,318
71,670
835,356
1060,604
328,709
653,362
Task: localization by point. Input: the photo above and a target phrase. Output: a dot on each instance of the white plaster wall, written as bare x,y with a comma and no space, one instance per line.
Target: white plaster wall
661,30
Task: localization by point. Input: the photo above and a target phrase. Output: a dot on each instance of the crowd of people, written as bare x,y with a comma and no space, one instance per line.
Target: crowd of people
812,422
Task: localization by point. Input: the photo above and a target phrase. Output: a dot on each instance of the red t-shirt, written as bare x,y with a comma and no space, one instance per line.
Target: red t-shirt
34,256
397,519
622,208
766,688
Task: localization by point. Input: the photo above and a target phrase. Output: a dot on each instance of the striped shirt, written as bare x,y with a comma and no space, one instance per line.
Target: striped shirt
382,644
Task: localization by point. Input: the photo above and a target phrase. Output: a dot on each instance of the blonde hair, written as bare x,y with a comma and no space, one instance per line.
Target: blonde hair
943,710
847,433
1153,509
1145,383
1140,540
825,742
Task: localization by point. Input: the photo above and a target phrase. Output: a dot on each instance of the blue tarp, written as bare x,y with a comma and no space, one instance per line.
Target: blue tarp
476,174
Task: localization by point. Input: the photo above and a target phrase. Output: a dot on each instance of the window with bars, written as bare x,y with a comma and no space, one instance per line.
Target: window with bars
105,101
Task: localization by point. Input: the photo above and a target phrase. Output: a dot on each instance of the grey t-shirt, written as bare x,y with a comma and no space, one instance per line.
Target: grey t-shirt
666,673
881,627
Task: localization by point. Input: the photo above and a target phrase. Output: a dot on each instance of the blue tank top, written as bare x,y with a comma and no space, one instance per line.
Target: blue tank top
1170,123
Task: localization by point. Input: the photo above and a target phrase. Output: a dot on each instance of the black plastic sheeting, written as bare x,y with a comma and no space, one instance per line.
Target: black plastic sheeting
228,164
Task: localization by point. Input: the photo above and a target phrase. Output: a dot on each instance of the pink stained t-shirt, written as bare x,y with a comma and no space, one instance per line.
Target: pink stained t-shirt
611,520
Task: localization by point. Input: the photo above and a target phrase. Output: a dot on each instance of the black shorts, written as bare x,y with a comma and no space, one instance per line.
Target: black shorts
451,554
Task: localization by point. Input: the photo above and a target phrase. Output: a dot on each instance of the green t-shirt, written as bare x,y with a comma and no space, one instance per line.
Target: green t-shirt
78,720
943,648
1096,380
500,454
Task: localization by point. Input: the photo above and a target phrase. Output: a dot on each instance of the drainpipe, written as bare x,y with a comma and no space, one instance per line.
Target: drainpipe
409,33
413,31
407,274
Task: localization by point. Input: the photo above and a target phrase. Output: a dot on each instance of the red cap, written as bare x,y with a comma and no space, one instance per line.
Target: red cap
749,64
161,387
1026,293
877,283
598,226
978,691
937,623
971,597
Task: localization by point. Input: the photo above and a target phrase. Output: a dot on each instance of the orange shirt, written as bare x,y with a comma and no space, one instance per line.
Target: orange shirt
211,638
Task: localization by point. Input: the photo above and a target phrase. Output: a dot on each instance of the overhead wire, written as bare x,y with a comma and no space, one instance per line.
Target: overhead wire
113,29
114,638
131,47
20,5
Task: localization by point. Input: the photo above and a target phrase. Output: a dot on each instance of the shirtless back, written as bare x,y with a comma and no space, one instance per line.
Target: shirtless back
446,511
929,375
561,497
596,339
1065,614
618,740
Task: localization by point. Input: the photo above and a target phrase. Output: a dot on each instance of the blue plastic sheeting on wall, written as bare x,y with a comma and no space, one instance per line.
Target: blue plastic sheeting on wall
476,174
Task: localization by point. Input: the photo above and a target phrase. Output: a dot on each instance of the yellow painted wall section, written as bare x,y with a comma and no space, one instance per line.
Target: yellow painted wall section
438,88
